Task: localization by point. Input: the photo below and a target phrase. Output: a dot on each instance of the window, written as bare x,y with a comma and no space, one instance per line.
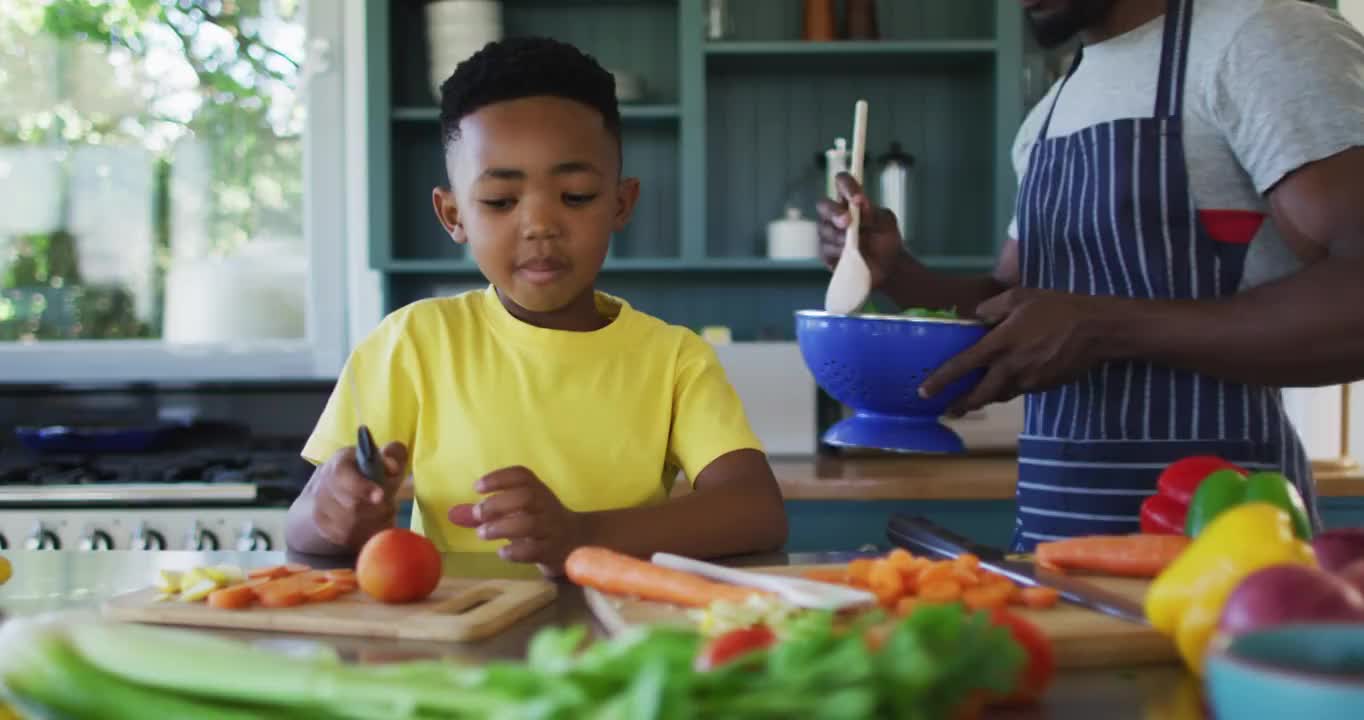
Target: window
171,188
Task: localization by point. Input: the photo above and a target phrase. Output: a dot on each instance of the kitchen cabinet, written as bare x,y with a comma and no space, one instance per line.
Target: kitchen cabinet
727,134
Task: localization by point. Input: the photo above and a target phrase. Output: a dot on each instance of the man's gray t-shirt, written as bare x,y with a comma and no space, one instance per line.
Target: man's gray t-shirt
1272,85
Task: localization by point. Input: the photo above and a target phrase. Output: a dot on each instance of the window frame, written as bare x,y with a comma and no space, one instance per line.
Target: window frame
343,299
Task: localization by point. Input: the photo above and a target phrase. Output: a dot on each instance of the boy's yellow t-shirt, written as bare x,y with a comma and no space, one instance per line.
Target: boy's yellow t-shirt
604,418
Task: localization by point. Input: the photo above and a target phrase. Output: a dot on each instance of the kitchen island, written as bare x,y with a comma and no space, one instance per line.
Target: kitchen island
51,581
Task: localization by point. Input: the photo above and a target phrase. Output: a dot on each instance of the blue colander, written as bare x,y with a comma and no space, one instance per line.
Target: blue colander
874,363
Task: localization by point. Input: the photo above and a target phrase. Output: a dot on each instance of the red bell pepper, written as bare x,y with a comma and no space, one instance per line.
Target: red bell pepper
1164,512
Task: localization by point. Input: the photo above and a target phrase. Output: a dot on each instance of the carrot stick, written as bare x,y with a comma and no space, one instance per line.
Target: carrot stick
619,574
1139,555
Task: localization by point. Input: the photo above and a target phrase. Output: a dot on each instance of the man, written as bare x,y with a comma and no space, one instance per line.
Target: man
1188,238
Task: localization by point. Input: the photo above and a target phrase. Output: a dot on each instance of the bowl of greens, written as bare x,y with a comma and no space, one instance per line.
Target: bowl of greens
874,363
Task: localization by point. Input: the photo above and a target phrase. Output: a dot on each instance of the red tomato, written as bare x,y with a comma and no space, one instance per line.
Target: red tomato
733,644
1041,666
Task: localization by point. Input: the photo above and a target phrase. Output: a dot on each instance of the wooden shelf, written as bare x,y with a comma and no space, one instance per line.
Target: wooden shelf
851,48
628,113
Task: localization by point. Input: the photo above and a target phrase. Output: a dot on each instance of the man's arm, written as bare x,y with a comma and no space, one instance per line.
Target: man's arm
1302,330
1306,329
911,284
734,508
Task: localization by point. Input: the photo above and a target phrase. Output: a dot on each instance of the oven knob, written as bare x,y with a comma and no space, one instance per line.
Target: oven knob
97,540
145,538
253,539
43,539
202,540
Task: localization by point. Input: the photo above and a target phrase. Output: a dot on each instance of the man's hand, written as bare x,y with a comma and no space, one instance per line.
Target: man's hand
520,508
348,509
1041,339
878,237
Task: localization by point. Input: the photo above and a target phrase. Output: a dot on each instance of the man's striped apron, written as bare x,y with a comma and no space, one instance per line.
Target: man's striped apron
1108,211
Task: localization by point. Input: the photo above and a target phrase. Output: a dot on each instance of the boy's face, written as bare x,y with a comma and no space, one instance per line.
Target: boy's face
536,193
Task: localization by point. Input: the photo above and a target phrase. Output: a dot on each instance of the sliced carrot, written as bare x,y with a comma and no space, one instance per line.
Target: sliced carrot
1137,555
295,568
620,574
986,597
340,574
1040,597
937,572
968,561
300,582
233,597
329,590
967,577
347,584
859,570
901,559
272,572
940,591
283,598
886,583
906,605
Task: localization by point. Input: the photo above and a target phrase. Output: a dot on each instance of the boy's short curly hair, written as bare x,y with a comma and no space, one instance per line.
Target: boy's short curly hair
521,67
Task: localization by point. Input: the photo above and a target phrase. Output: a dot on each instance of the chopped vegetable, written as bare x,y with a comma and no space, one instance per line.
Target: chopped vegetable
1186,601
1036,675
1040,597
734,644
726,615
1136,555
925,581
619,574
933,664
233,597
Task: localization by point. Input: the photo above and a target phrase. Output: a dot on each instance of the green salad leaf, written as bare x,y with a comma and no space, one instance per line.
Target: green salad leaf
927,666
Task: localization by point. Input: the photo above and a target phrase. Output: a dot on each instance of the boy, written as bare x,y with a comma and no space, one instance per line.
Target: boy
540,414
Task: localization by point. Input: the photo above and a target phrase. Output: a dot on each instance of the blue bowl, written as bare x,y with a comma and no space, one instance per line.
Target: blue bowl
874,364
1289,671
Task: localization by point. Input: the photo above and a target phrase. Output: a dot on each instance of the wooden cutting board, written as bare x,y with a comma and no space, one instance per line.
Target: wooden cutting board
1081,638
460,609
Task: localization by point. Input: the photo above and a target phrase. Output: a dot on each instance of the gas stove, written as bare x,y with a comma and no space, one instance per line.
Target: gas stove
231,496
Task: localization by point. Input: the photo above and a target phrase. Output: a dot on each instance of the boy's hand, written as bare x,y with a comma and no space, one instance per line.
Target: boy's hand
521,509
348,509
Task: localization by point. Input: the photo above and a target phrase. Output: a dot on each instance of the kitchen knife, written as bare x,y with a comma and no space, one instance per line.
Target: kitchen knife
920,534
366,451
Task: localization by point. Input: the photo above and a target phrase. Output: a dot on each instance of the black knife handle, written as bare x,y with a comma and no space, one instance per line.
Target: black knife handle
367,457
919,533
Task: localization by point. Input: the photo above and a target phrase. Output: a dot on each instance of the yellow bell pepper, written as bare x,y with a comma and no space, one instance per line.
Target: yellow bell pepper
1185,601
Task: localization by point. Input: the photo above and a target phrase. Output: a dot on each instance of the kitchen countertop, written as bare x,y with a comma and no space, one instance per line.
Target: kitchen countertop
966,477
48,581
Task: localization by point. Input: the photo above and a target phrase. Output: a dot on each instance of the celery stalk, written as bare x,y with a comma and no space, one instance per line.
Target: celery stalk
47,672
209,666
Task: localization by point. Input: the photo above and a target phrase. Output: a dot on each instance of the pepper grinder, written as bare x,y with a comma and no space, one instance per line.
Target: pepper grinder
860,20
820,25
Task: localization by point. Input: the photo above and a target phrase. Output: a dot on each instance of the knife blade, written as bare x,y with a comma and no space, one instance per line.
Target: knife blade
366,451
917,533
